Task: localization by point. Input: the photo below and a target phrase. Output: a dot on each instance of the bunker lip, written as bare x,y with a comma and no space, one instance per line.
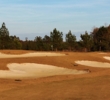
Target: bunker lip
36,54
93,64
33,70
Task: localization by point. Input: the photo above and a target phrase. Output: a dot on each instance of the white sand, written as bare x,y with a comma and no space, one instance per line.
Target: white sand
94,64
2,55
32,70
106,57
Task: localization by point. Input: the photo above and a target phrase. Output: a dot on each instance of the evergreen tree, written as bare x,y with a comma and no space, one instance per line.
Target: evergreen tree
86,41
56,39
3,30
70,40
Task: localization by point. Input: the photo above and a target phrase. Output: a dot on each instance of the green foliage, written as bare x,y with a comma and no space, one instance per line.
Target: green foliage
7,42
99,39
47,43
102,39
3,30
39,43
56,39
70,40
86,41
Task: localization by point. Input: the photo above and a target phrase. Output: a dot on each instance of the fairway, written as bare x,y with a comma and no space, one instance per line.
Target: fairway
91,85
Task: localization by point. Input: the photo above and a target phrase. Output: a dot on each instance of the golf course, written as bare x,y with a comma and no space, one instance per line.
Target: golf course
33,75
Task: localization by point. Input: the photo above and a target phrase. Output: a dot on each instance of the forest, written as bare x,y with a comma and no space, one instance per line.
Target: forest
97,40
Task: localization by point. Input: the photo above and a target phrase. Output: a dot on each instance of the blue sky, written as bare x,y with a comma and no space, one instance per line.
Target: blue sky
30,18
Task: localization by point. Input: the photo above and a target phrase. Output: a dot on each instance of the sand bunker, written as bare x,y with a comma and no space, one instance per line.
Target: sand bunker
32,70
94,64
106,57
2,55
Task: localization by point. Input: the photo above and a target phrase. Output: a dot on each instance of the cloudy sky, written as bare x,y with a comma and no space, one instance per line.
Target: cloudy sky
30,18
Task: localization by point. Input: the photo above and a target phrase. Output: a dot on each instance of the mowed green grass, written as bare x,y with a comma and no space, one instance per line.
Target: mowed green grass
92,86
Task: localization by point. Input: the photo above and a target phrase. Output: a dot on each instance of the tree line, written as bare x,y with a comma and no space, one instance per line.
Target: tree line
97,40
